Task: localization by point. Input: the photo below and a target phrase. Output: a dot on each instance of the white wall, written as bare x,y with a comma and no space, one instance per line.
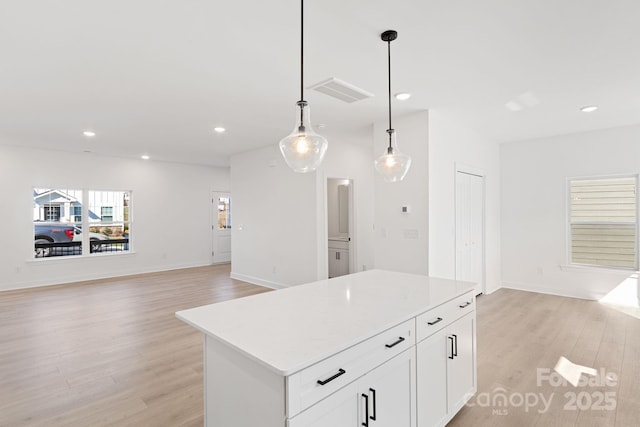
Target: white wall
534,188
348,159
401,241
171,222
280,227
452,142
274,220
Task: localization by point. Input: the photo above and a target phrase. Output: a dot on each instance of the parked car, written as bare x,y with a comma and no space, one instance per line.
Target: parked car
94,238
51,233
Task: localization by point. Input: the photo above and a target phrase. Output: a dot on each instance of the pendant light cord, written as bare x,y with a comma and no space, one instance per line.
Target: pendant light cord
389,69
301,50
390,130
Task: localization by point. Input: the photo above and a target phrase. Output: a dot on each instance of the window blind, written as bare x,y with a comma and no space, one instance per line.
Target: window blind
603,222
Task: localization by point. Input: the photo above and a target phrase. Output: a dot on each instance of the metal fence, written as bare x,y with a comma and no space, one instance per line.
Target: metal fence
43,250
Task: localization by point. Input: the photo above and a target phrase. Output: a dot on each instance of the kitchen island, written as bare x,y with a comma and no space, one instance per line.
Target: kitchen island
375,348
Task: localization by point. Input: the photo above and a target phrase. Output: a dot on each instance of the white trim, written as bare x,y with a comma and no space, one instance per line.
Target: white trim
257,281
596,269
90,276
541,289
479,172
353,264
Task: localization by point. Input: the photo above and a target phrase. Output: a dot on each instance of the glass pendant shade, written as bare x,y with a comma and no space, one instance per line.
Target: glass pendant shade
303,149
392,164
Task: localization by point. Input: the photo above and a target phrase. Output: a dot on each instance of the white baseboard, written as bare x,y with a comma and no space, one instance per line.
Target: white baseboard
107,274
257,281
530,287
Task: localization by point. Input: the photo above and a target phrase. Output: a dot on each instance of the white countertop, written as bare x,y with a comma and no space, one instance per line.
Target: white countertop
289,329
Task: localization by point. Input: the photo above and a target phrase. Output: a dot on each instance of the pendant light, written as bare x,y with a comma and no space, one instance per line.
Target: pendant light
392,164
303,149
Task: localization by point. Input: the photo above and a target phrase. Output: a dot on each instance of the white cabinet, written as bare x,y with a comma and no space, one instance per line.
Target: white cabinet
388,393
371,349
447,364
338,258
383,397
338,410
461,378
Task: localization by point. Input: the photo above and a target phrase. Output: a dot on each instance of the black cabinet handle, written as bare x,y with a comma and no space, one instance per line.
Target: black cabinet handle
366,410
438,320
466,304
455,340
451,338
340,372
400,339
373,391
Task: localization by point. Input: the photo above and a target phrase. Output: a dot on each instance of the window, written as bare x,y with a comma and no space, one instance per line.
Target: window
106,213
52,213
59,220
224,213
603,222
77,213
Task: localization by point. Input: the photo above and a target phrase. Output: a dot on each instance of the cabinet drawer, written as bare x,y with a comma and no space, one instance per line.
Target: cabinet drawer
437,318
308,386
338,244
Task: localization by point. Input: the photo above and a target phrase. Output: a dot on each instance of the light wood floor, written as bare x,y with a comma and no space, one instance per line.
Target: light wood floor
521,332
111,352
108,352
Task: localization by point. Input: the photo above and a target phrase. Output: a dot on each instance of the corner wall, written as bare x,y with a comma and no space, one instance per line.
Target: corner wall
171,225
451,141
279,233
534,215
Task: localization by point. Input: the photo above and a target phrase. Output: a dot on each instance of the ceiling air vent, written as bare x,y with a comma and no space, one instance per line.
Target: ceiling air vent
341,90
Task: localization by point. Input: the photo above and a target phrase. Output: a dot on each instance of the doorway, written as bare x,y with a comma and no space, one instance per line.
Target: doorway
340,227
221,227
469,234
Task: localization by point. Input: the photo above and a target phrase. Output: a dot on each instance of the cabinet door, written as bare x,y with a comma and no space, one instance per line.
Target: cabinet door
432,380
338,262
339,409
461,368
390,392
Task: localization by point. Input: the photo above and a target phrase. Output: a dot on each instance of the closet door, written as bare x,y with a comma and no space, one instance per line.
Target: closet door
470,229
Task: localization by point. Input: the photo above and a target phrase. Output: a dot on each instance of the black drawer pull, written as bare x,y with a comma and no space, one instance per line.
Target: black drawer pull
366,410
466,304
340,372
452,351
400,339
455,340
438,320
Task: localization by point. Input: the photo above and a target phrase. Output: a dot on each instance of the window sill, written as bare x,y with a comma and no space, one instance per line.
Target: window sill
594,269
72,258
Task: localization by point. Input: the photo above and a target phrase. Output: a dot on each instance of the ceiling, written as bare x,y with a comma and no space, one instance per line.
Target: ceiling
156,76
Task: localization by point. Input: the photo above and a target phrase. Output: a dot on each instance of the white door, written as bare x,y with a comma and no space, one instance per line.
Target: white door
432,381
460,362
470,229
221,225
388,393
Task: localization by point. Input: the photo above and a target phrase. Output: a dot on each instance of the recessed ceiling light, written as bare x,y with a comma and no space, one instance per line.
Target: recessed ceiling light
89,133
145,157
589,108
402,96
219,129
